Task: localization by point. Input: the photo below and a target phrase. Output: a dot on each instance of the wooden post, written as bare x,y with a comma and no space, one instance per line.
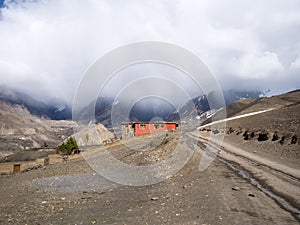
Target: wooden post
17,167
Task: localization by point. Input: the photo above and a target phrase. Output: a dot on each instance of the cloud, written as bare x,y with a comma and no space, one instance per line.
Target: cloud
295,65
46,46
255,66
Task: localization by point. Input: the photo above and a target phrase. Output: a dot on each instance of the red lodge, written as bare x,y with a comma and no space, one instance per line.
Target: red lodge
131,129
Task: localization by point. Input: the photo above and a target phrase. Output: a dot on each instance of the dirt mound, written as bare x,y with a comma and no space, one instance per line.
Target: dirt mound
94,135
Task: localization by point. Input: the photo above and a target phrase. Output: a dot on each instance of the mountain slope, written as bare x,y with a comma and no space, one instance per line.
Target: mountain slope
284,118
282,102
145,112
278,126
54,111
20,130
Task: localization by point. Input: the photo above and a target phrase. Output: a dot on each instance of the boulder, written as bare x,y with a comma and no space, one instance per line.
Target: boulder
94,135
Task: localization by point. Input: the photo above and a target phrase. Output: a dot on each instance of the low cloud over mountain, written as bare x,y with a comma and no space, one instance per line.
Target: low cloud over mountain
46,46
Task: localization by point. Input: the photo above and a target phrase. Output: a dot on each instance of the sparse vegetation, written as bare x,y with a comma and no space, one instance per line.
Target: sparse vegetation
68,147
231,130
275,137
216,131
294,139
246,136
263,136
282,140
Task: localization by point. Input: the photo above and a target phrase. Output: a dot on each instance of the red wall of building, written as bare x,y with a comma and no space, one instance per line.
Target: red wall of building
139,131
171,126
150,128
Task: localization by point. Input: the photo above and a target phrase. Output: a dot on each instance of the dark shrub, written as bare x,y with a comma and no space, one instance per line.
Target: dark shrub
76,151
282,140
68,147
231,130
294,139
275,137
262,137
216,131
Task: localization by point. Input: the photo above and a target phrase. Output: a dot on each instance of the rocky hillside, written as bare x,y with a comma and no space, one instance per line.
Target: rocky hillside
273,133
280,124
146,109
283,115
56,110
20,130
93,135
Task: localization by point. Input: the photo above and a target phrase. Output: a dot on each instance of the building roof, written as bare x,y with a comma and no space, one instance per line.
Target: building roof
158,122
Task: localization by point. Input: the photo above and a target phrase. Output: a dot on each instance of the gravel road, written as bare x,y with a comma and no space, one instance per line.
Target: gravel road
72,193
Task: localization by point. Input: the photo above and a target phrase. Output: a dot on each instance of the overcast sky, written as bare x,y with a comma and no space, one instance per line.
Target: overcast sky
46,46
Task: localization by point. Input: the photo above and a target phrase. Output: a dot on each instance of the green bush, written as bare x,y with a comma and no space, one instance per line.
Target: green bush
68,147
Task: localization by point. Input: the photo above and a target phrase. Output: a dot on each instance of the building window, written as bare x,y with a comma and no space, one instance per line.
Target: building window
143,126
156,126
162,125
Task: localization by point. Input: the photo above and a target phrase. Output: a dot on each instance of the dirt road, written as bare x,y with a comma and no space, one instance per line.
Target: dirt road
72,193
279,179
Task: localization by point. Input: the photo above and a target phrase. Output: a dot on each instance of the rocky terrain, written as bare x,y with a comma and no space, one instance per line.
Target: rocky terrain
20,130
93,135
274,133
72,193
24,136
252,178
